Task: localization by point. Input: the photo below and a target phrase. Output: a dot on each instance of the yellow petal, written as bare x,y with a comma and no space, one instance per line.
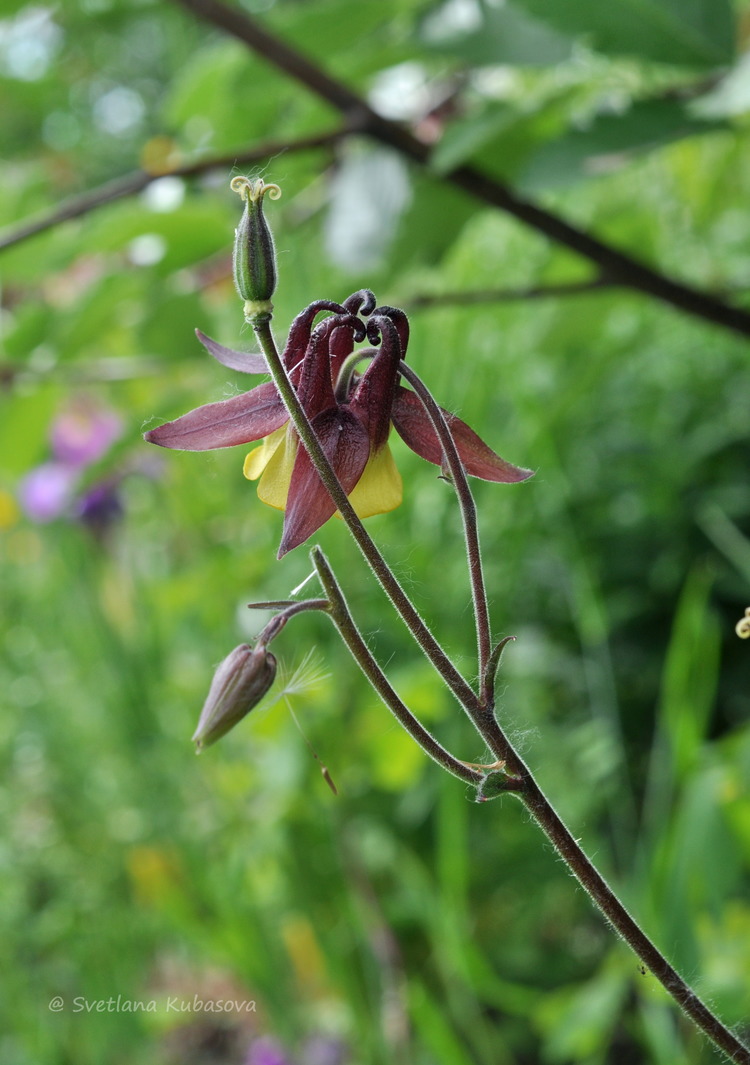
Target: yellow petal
273,487
380,487
257,459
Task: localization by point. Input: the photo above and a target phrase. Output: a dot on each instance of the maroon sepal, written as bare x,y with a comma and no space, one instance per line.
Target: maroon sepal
243,361
415,429
238,420
345,442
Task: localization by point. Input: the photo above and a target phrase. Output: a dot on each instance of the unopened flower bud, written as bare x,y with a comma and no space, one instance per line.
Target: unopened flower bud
254,253
239,684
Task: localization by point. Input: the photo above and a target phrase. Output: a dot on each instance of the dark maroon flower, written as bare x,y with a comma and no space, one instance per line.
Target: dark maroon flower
351,413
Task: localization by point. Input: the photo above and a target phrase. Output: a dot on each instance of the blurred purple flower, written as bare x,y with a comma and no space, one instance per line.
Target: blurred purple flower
80,435
266,1051
101,507
324,1050
47,491
83,432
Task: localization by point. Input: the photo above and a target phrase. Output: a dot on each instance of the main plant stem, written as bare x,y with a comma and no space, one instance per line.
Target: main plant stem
352,637
521,781
589,877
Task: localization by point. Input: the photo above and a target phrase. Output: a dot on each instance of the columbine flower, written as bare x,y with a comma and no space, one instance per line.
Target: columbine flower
350,412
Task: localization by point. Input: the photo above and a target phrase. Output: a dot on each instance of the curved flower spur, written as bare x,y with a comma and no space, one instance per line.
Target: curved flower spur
351,414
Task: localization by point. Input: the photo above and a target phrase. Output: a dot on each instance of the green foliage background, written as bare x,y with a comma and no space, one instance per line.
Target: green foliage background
399,918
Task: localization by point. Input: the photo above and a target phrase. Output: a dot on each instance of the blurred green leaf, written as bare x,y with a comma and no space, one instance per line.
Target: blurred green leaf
730,97
24,428
577,1024
224,99
463,138
500,139
691,673
430,223
696,839
505,35
189,233
610,142
696,33
433,1027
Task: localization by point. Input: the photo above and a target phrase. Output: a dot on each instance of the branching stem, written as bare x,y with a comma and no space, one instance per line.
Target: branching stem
341,616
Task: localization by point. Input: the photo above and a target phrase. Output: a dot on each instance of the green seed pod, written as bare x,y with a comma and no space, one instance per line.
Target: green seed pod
254,252
239,684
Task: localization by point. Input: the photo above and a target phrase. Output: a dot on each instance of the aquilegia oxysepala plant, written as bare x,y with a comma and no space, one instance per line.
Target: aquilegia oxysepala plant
324,420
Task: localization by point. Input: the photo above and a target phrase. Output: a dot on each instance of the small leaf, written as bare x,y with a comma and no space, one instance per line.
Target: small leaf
499,139
506,35
462,139
609,143
697,33
730,97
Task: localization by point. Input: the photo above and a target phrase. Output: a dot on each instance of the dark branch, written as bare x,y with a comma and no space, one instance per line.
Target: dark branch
130,184
619,267
509,295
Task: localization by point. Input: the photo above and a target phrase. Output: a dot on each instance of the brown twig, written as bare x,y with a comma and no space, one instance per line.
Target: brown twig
618,266
138,180
470,298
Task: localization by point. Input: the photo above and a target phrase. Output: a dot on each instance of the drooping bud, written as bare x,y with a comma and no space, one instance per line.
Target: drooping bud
254,253
240,682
